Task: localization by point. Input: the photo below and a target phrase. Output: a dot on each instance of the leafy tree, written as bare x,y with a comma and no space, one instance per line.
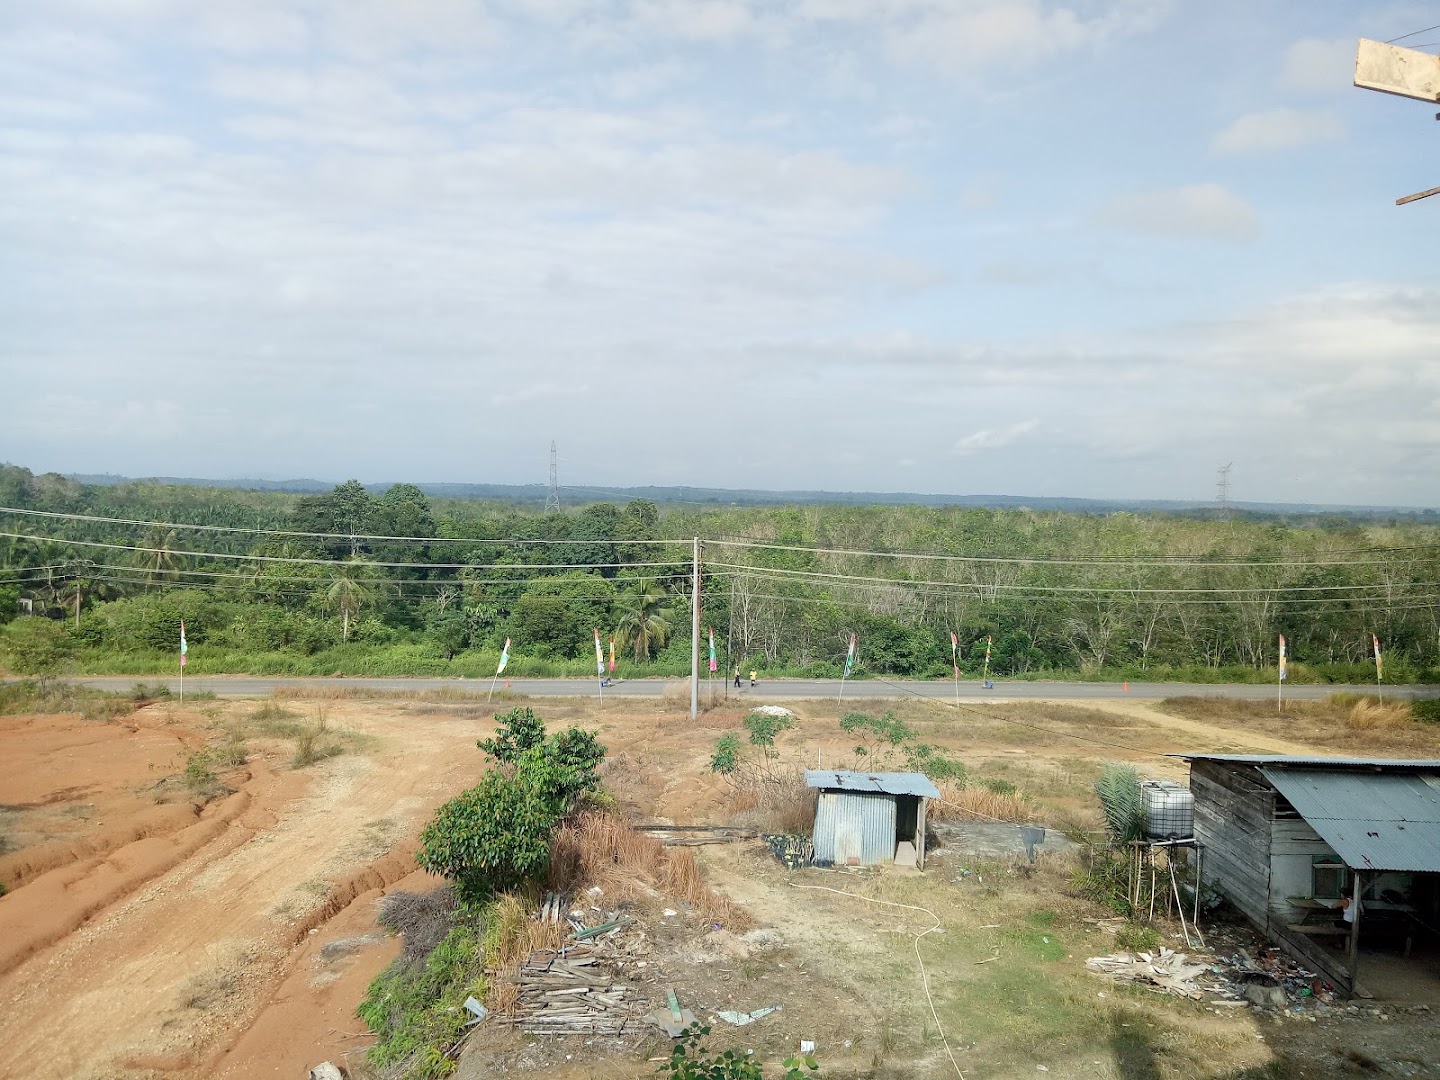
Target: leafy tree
496,836
520,730
37,646
643,622
163,557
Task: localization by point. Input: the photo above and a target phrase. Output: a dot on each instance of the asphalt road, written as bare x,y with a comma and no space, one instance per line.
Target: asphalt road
263,686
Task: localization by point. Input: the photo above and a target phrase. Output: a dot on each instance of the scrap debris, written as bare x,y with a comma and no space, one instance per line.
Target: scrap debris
1166,972
570,992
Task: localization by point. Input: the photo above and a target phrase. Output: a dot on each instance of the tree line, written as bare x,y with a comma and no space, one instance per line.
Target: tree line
399,582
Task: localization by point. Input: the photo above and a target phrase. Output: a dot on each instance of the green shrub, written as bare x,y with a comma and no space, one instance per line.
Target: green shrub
496,836
416,1006
520,730
726,758
691,1060
1427,710
1119,791
1137,938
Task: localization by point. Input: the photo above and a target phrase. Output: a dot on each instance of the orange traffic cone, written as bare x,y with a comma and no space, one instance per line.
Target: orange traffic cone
1125,686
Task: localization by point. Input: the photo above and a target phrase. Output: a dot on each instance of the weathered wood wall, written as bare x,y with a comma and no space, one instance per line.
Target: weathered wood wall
1232,823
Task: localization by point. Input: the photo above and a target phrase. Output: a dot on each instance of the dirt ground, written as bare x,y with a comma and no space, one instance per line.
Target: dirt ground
155,928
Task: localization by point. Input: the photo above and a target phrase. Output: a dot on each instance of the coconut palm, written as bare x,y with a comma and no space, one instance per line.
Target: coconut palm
347,593
161,556
643,621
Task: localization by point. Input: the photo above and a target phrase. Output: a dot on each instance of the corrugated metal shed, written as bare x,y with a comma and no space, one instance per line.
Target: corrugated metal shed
887,783
1430,765
1374,821
855,825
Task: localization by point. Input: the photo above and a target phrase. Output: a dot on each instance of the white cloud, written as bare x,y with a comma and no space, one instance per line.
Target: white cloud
1195,210
1277,129
1319,65
994,438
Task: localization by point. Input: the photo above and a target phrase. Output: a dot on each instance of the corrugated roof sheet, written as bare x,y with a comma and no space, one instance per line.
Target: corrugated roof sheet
887,783
1308,762
1374,821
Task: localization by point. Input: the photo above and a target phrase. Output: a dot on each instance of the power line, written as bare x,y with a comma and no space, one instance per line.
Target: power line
96,519
1089,560
1412,33
327,562
1089,590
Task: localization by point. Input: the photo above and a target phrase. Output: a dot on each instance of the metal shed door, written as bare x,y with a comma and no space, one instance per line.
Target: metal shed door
864,828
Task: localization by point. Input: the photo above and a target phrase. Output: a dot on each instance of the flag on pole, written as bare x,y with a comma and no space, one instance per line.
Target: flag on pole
1379,663
612,654
988,641
1282,657
599,656
850,657
713,666
186,648
954,655
504,659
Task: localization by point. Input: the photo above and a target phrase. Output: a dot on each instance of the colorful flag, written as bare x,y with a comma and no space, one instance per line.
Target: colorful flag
713,666
612,654
850,657
1379,664
599,656
954,655
186,648
1282,657
504,658
987,649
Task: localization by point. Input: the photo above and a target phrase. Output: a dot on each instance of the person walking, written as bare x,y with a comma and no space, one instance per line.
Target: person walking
737,676
752,678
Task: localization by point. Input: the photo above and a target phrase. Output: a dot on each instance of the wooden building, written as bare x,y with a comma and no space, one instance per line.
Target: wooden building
1284,839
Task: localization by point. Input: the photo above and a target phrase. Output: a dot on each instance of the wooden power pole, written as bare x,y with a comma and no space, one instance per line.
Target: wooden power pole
1394,69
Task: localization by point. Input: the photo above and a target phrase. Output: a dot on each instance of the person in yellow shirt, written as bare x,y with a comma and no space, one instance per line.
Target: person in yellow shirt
752,678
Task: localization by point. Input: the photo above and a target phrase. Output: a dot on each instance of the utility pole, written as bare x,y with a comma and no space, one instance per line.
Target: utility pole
1222,489
695,635
1394,69
552,497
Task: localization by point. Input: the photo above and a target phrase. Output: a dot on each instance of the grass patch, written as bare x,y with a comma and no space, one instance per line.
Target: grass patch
29,696
416,1005
1359,724
313,743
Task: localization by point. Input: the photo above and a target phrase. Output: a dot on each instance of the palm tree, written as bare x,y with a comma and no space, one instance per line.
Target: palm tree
162,558
347,593
643,620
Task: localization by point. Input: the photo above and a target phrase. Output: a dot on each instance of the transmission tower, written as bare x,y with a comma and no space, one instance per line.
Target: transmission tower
1222,489
552,497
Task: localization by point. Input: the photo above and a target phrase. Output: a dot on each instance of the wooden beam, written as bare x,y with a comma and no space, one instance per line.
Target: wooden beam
1417,195
1392,69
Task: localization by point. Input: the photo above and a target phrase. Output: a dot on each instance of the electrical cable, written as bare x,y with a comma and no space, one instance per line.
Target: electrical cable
1413,33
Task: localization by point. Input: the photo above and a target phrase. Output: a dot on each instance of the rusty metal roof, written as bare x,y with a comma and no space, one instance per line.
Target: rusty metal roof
1373,820
887,783
1282,760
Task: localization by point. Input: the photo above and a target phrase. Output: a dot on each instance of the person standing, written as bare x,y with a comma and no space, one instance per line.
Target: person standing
737,676
752,678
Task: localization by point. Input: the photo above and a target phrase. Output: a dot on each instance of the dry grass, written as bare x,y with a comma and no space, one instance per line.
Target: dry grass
972,803
1369,714
511,935
598,848
1345,723
772,798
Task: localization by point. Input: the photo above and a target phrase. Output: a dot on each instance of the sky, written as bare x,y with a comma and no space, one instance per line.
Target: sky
1097,248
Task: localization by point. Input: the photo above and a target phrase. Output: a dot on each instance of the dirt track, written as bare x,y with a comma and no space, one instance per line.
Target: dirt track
150,940
152,957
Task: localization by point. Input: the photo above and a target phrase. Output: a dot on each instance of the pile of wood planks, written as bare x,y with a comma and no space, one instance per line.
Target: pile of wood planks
571,992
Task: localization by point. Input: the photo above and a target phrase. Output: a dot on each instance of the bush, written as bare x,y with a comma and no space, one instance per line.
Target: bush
691,1060
1428,710
1137,938
496,836
1119,791
35,646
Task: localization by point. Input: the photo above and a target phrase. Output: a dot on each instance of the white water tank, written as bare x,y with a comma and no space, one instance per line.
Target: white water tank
1169,810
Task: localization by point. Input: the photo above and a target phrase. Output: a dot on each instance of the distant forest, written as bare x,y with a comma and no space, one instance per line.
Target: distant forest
402,582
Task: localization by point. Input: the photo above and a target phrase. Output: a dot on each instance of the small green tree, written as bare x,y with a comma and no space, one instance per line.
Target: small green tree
37,646
496,836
